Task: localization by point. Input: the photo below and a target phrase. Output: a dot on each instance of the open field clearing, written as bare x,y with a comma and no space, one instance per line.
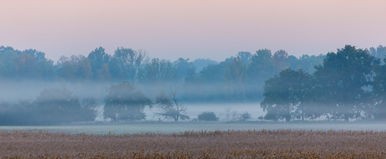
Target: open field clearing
217,144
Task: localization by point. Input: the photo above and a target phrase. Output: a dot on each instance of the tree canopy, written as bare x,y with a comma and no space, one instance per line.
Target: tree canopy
348,85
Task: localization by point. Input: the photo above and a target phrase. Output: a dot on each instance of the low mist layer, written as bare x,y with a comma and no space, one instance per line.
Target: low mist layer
346,85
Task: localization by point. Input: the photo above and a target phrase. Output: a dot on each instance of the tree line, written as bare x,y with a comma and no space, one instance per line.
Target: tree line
350,84
237,78
343,85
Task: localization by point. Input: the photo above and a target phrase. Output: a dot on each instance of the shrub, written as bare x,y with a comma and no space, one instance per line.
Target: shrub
245,117
207,116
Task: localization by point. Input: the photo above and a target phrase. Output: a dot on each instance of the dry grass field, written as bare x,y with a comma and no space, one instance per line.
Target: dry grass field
284,144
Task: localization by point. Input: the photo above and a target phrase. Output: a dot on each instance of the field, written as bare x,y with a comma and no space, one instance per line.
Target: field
216,144
180,127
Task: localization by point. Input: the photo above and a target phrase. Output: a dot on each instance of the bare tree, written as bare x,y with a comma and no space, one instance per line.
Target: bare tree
171,108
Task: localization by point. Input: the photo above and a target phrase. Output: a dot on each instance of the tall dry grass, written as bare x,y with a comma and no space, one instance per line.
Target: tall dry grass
284,144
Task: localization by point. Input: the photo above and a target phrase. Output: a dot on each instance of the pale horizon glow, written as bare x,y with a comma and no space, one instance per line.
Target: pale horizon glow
193,29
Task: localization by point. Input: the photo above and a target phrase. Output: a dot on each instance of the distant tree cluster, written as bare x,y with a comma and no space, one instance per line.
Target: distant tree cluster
349,84
241,78
52,106
124,102
238,78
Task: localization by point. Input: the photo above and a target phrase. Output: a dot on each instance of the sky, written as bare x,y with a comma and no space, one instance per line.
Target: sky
170,29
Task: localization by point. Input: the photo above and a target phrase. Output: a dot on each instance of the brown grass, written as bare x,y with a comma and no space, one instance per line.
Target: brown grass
233,144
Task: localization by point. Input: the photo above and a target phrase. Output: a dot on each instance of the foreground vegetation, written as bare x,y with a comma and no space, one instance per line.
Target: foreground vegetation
231,144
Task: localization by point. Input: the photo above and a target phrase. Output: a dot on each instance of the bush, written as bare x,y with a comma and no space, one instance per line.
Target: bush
207,116
245,117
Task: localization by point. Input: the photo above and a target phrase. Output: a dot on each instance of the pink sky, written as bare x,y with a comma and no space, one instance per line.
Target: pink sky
191,28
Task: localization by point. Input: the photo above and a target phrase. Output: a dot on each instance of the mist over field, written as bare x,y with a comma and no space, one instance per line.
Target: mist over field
15,92
187,79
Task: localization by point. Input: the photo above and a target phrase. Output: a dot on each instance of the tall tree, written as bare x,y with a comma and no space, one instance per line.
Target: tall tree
99,61
158,71
125,102
344,80
74,68
125,64
287,93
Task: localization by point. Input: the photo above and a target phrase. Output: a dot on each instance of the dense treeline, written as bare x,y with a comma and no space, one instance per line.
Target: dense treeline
349,84
238,78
